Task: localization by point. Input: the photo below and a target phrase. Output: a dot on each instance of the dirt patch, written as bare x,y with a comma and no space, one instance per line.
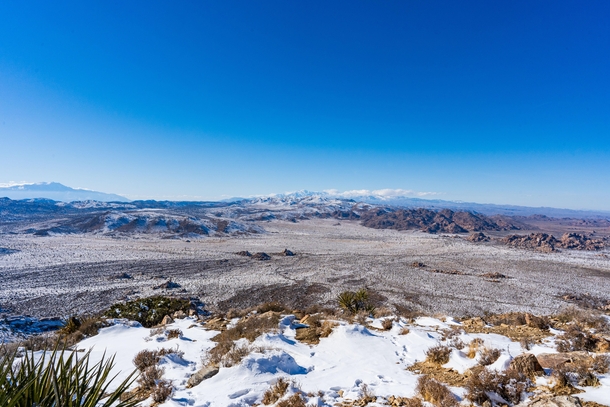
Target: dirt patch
301,295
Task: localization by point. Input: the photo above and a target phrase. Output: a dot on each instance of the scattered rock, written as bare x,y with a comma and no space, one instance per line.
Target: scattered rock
216,324
167,320
124,276
494,275
535,322
476,322
478,237
287,252
554,360
528,365
553,401
244,253
261,256
200,375
168,285
179,314
192,313
418,264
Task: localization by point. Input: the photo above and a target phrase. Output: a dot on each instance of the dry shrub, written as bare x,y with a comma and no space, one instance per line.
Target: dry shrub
387,324
157,331
438,354
296,400
585,318
150,376
383,312
235,355
147,358
474,346
405,401
318,328
162,390
489,356
404,331
275,392
457,343
578,372
173,333
272,306
250,327
526,343
451,333
435,393
214,356
576,338
509,385
601,364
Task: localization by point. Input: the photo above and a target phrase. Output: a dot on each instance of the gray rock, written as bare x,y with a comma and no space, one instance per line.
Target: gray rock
202,374
553,401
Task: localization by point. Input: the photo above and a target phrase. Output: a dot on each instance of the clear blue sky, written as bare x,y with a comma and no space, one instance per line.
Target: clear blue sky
486,101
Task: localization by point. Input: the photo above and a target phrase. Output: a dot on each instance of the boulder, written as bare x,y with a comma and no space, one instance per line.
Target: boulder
554,360
478,237
179,314
287,252
261,256
200,375
167,320
528,365
552,401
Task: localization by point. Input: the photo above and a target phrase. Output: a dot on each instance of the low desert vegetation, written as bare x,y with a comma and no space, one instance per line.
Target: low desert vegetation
60,378
489,356
434,392
509,385
356,302
276,391
148,311
438,355
318,328
474,346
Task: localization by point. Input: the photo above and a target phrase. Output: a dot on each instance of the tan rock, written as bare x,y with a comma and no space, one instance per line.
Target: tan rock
553,401
528,365
167,320
554,360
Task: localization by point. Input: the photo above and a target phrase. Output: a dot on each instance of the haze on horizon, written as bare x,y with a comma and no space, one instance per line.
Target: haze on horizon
502,103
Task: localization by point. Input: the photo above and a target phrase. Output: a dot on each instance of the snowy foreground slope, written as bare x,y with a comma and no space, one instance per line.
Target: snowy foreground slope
333,371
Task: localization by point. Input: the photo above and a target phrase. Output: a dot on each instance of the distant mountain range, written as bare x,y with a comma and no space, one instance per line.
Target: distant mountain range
57,192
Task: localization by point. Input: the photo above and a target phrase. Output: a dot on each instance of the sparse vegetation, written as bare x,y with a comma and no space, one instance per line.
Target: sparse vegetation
59,378
276,391
148,311
509,385
576,338
438,355
387,324
435,392
489,356
296,400
355,302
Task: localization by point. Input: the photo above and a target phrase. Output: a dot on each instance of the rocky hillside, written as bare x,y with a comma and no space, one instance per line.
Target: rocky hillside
444,221
548,243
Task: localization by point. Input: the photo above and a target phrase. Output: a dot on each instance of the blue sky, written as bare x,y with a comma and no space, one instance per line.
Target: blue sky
501,102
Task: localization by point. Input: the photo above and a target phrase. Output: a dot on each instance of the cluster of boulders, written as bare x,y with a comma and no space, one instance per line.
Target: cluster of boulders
263,255
548,243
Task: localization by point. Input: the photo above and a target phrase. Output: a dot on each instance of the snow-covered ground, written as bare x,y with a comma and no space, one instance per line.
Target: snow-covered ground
331,372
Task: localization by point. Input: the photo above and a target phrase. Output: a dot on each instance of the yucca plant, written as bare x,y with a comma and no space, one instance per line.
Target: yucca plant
59,379
355,302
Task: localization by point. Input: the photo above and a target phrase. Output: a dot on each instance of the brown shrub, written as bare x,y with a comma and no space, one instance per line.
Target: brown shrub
489,356
601,364
509,385
435,393
576,338
275,392
296,400
250,327
584,318
173,333
272,306
387,324
404,330
150,376
438,354
162,390
147,358
578,372
405,401
235,355
473,347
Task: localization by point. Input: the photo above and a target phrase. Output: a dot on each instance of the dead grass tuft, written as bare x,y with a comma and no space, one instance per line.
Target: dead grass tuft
449,377
489,356
438,354
387,324
435,392
576,337
509,385
474,346
296,400
276,391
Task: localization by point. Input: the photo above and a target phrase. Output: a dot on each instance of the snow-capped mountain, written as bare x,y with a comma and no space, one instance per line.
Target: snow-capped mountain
56,192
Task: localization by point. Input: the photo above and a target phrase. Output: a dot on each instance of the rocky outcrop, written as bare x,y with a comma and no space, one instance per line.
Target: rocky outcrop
261,256
478,237
444,221
548,243
528,365
552,401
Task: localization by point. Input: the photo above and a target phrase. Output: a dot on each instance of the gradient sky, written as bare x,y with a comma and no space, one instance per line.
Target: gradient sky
504,102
